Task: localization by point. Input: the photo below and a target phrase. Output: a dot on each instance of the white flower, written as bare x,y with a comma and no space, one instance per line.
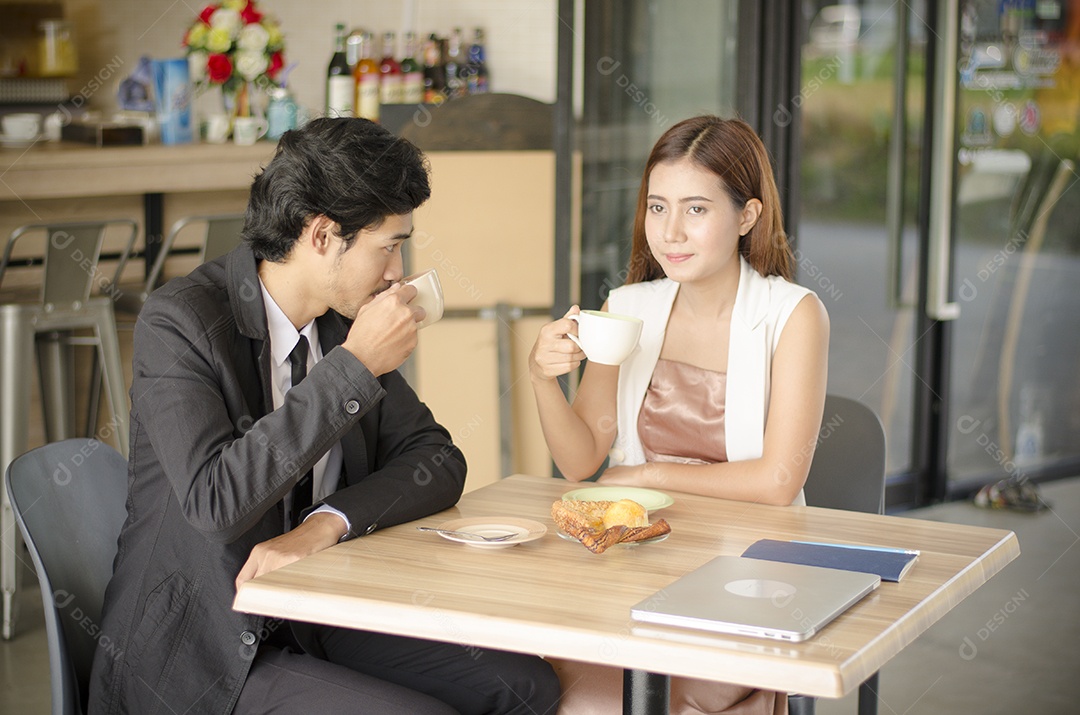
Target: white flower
254,38
251,64
197,65
226,19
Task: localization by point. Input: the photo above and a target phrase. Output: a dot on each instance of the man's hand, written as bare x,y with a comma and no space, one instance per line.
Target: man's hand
384,332
317,532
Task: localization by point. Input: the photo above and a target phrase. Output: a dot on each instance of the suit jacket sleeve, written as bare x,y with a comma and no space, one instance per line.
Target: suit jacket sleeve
412,469
193,390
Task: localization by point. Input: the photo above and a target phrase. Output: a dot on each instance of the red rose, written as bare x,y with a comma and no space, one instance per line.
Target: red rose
250,15
218,68
277,61
207,12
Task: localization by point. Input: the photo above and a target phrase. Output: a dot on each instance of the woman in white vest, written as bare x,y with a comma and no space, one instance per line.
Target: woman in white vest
725,392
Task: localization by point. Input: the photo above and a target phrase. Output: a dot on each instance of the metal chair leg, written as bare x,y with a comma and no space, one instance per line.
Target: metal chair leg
113,372
93,398
54,370
16,359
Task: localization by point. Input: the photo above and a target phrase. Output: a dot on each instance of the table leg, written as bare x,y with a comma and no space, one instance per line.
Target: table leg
645,693
868,696
154,224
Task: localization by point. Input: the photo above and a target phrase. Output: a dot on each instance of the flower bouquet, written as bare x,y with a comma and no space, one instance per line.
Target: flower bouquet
233,45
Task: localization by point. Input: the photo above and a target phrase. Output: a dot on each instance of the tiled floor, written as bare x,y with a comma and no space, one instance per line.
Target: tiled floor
1010,648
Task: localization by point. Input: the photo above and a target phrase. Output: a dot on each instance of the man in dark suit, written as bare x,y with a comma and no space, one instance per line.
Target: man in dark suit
266,427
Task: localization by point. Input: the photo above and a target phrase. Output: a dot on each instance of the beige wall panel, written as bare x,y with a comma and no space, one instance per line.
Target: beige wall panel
488,227
531,455
457,377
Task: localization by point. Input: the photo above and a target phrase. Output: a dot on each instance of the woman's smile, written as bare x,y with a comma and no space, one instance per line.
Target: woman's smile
678,257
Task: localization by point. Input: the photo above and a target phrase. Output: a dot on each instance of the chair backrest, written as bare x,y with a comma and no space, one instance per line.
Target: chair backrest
69,500
222,235
848,471
70,257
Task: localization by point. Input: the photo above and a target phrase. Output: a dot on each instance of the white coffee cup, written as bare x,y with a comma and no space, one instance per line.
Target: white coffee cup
217,128
22,126
248,130
53,126
606,338
429,295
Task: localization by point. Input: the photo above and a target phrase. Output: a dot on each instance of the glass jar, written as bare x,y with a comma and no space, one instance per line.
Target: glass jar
281,114
56,49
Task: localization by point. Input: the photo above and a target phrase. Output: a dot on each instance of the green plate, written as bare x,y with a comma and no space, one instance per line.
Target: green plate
651,499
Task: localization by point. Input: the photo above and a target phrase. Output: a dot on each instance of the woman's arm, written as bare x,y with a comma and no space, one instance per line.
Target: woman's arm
577,436
796,402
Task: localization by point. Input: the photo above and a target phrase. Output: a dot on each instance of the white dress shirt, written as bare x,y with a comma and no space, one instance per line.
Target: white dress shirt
283,338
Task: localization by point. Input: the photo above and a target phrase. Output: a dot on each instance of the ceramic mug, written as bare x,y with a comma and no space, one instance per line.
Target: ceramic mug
429,295
248,130
23,126
606,338
217,128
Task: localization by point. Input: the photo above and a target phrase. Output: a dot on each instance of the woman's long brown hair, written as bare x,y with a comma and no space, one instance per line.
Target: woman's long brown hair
731,150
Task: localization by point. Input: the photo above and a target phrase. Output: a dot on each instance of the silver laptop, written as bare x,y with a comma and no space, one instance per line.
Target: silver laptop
752,597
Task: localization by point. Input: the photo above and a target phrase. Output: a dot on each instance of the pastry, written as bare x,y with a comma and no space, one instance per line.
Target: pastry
599,525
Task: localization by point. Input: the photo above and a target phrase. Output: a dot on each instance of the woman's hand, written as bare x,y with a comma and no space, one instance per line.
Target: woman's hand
640,475
555,354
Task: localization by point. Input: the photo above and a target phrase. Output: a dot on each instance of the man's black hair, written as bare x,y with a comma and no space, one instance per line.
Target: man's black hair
352,171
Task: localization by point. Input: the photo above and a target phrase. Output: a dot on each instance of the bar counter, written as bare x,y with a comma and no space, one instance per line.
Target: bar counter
52,170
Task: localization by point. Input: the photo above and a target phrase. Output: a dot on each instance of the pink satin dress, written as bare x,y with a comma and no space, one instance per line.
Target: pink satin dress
682,416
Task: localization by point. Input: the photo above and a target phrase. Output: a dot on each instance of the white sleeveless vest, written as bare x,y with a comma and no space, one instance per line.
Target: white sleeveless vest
762,308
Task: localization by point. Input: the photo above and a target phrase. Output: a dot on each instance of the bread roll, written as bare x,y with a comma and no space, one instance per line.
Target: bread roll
625,513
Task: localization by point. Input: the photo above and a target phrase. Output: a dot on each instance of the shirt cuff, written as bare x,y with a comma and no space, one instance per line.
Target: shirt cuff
327,509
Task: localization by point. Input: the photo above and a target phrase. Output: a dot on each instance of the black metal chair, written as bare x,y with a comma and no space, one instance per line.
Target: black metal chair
221,235
848,472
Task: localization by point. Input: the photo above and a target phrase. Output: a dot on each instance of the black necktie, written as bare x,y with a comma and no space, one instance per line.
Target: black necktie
301,493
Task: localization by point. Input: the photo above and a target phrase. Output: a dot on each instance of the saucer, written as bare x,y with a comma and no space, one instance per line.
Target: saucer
525,530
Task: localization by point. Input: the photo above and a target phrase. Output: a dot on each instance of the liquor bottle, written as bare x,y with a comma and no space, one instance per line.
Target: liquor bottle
477,67
339,81
455,60
390,89
434,72
412,73
366,74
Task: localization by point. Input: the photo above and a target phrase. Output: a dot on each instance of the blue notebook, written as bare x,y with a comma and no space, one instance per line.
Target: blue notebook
889,564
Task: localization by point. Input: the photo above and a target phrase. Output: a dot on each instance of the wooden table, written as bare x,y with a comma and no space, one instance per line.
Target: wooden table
555,598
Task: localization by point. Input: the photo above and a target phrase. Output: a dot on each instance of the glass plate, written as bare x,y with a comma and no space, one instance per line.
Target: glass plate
654,540
651,499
